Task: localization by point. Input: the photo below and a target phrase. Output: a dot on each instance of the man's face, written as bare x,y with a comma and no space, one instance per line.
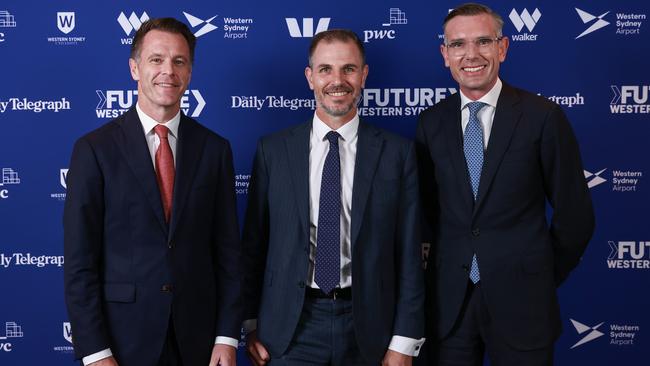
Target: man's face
162,70
336,75
475,68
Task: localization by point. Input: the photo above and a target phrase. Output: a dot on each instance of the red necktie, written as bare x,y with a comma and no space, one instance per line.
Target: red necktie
165,169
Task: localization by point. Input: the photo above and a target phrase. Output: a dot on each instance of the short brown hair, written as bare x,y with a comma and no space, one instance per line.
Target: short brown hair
469,9
169,25
342,35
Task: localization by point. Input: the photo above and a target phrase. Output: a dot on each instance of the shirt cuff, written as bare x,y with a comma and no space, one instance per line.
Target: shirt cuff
249,325
406,345
106,353
227,341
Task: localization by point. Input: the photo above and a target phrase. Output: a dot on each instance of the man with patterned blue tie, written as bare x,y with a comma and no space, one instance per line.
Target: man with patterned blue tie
332,230
490,158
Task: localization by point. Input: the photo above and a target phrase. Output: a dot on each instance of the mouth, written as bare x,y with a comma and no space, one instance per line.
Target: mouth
338,92
166,85
472,69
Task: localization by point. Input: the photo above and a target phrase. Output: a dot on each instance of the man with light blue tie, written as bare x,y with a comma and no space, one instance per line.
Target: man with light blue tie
490,159
331,233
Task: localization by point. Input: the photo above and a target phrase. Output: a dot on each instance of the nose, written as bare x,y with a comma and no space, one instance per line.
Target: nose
167,67
471,50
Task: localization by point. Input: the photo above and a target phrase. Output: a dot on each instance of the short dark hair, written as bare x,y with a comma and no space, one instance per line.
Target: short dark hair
342,35
469,9
169,25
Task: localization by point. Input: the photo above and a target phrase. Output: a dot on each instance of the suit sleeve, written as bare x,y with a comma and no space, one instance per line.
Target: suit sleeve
572,223
409,312
428,186
228,251
83,220
256,233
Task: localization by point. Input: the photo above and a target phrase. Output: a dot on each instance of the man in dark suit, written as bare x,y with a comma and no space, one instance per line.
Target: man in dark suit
331,232
151,234
490,158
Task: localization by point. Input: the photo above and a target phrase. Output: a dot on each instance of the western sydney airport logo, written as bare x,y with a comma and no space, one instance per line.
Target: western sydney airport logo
626,23
629,255
619,334
66,23
112,103
396,17
526,20
622,180
630,99
233,28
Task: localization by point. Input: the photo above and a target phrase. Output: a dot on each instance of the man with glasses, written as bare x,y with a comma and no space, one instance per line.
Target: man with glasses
490,158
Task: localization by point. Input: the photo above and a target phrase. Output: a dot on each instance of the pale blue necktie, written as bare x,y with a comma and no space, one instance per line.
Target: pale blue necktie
473,147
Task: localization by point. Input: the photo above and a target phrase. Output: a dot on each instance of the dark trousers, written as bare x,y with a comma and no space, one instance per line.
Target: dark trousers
474,334
170,355
324,336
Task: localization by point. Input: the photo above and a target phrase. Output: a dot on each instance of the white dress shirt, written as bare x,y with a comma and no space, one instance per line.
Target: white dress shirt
153,141
486,114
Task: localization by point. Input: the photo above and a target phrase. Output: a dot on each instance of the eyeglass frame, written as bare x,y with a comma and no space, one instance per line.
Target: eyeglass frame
475,41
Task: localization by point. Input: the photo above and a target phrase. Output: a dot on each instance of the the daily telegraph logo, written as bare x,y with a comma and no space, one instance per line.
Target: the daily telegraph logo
28,259
628,255
36,106
307,30
389,102
63,178
12,330
271,102
627,24
67,335
66,22
568,101
113,103
9,177
619,334
630,99
621,180
131,24
526,20
233,28
395,17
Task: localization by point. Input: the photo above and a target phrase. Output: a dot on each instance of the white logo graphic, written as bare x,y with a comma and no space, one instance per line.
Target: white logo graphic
12,330
2,37
115,102
396,16
27,259
586,18
525,18
594,179
630,99
307,27
581,328
9,176
388,102
63,177
132,22
194,21
67,331
65,21
6,20
629,255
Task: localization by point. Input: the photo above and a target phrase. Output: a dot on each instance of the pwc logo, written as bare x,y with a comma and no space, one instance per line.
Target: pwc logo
307,30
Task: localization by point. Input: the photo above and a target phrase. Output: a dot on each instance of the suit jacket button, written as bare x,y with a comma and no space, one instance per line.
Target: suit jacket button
476,232
170,244
301,284
166,288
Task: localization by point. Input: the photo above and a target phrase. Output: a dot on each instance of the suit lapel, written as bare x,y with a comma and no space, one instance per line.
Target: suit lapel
505,121
368,151
297,144
454,133
133,145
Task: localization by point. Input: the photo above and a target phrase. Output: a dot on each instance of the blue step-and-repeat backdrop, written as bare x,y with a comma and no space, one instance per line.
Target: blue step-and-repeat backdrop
64,71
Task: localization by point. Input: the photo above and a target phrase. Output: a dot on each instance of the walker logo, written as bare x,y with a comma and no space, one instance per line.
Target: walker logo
307,27
65,21
594,179
619,334
63,177
588,18
194,22
519,20
131,24
395,17
27,259
12,330
630,99
112,103
9,177
629,255
390,102
67,335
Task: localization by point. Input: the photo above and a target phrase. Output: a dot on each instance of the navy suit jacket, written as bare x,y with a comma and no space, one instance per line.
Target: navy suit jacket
127,272
532,158
388,289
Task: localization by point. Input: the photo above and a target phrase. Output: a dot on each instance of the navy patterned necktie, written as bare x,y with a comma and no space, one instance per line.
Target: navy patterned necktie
328,238
473,147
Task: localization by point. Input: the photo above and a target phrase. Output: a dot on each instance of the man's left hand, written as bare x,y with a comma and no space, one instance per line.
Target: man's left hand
223,355
392,358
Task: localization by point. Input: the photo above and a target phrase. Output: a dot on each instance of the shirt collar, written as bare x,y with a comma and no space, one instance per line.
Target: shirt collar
149,123
348,131
490,98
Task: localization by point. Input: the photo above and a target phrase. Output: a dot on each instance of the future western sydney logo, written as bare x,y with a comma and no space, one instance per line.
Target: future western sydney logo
630,99
519,20
389,102
112,103
629,255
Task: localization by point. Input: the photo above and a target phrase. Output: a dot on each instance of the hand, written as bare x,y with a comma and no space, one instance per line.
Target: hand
223,355
392,358
256,351
108,361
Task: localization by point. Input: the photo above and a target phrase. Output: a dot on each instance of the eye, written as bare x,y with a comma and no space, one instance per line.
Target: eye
324,69
179,62
349,69
456,44
156,60
484,42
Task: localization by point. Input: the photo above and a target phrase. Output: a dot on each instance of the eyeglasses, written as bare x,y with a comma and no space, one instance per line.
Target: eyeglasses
483,44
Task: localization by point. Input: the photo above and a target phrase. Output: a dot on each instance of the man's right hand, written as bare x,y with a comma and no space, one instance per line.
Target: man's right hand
256,350
108,361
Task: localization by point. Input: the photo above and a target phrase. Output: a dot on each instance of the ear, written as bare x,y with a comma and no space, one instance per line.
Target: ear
133,66
503,48
365,75
445,55
308,74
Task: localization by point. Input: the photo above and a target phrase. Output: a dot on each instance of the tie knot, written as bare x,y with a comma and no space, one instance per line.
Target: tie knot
474,107
161,131
333,137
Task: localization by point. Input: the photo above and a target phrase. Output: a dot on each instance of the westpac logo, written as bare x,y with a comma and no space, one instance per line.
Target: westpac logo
12,330
307,27
389,102
65,21
619,334
196,21
9,177
112,103
630,99
592,332
395,17
594,179
524,19
131,24
589,18
629,255
67,335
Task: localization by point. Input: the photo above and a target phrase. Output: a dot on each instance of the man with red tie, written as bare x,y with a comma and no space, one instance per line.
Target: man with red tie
150,224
